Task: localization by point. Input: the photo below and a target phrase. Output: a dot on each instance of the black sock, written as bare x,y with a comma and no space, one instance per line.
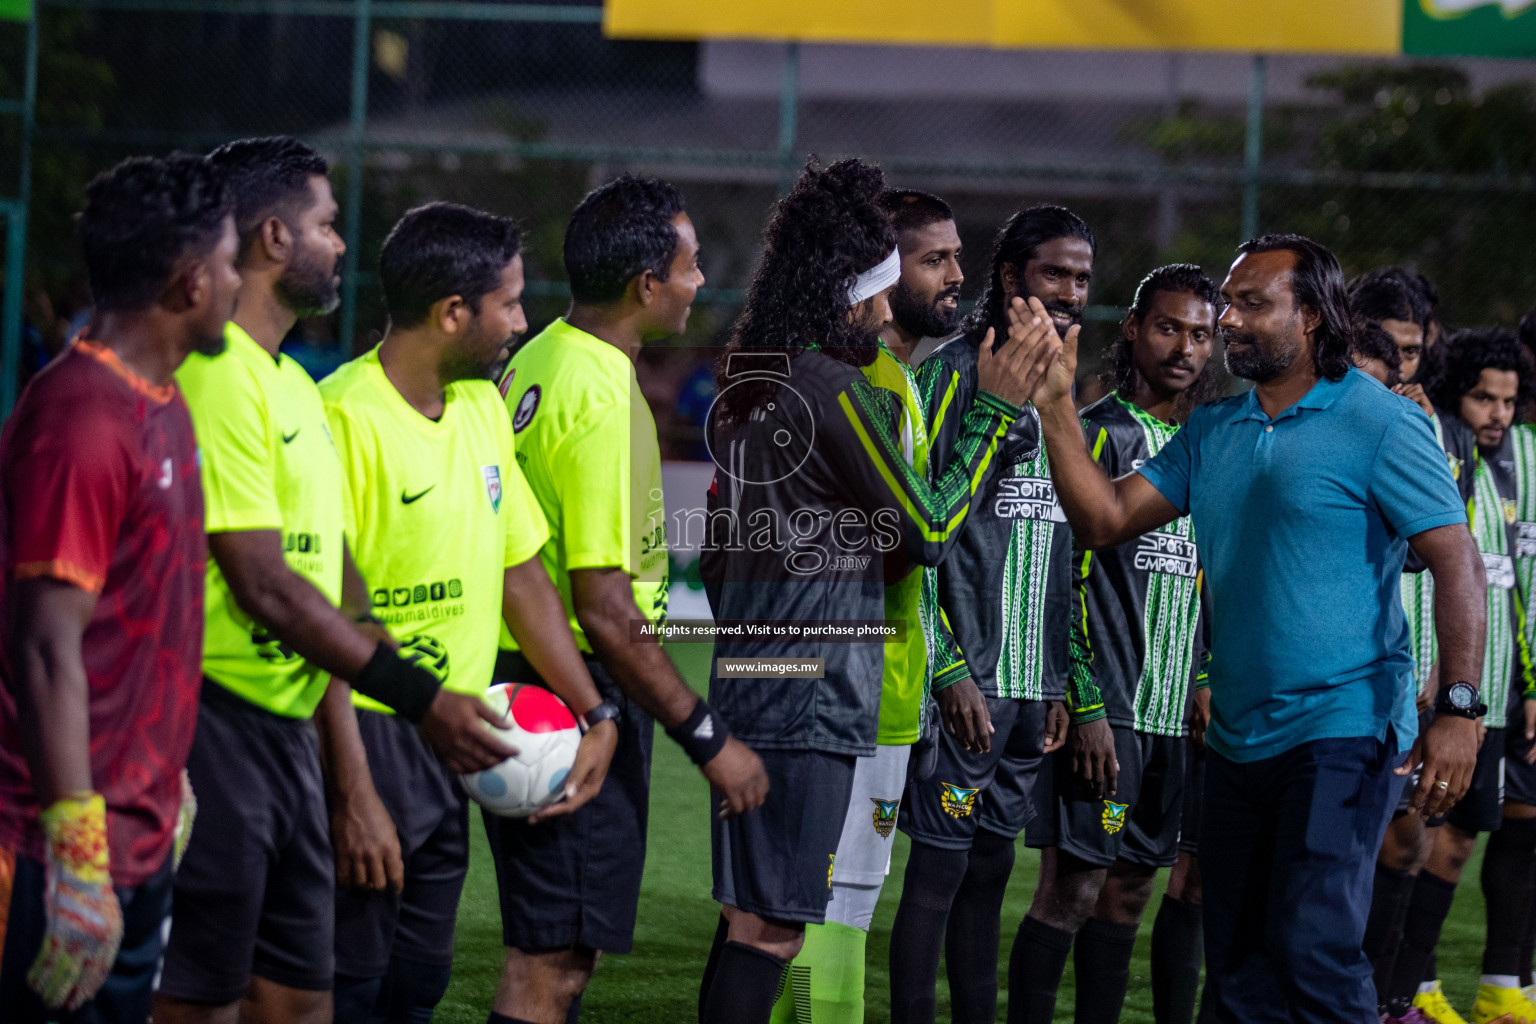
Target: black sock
746,982
1101,959
1178,950
1427,910
1384,927
917,936
1507,876
1034,971
971,937
1528,942
722,932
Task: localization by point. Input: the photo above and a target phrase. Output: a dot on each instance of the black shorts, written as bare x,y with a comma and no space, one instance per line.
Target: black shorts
776,861
431,816
1141,823
1519,777
1482,809
1194,794
575,880
256,890
997,791
128,991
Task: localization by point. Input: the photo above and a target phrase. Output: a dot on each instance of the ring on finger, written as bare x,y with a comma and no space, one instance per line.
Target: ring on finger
1442,784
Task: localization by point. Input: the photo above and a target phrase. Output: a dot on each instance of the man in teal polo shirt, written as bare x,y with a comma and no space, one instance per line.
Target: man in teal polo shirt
1306,494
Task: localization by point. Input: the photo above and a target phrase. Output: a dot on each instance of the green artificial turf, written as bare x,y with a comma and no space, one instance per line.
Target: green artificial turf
658,982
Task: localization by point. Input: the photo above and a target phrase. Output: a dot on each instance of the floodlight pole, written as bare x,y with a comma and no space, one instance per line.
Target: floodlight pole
1253,150
789,110
16,234
357,126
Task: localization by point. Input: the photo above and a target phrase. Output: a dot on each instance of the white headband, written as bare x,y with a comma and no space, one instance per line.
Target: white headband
876,279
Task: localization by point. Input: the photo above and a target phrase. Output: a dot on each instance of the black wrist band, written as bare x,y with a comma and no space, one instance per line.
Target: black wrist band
397,684
607,711
701,734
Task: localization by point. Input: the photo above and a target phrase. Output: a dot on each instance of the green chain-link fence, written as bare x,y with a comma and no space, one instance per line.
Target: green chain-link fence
520,108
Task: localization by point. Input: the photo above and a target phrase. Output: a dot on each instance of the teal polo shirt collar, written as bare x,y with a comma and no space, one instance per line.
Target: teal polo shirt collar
1319,396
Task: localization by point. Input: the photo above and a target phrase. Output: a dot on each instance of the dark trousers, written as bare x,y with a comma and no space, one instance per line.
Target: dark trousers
1286,858
125,997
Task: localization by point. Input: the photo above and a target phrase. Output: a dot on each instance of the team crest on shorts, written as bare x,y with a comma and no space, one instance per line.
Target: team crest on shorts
885,815
493,485
957,801
1114,816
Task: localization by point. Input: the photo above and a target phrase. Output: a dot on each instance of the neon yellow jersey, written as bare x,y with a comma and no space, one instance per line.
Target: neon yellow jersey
586,442
268,464
428,505
905,674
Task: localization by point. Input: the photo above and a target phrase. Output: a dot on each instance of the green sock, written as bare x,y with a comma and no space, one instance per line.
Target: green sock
826,981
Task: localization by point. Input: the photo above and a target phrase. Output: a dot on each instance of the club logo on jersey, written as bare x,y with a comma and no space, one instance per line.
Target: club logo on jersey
426,652
1027,497
493,485
167,475
1455,465
1525,540
1510,515
1167,553
506,382
957,801
1114,816
526,407
885,815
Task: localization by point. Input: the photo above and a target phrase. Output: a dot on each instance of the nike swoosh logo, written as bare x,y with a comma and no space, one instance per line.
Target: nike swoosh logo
406,499
288,438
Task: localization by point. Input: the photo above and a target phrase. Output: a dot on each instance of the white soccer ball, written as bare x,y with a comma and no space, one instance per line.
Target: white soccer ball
546,736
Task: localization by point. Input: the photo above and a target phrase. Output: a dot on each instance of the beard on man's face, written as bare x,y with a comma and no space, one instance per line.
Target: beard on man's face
309,286
1256,361
925,319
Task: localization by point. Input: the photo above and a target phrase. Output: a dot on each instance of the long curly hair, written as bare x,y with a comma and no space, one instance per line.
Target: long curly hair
1119,367
829,229
1455,364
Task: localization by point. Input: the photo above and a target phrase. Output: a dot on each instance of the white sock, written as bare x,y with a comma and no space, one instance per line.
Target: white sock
1501,980
1426,987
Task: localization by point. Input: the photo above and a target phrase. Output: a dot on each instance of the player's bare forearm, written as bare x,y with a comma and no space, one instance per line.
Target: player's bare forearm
342,755
51,689
1102,512
1451,558
531,606
287,604
604,601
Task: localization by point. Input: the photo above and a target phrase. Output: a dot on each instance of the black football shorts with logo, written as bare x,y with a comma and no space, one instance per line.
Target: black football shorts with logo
997,790
1140,823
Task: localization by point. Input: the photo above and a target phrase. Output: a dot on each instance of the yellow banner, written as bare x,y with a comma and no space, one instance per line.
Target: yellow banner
1255,26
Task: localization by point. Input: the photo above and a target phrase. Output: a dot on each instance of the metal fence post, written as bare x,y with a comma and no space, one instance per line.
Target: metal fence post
1253,151
789,113
16,234
357,127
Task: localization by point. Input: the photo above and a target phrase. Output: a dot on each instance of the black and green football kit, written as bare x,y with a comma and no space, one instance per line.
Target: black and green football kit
1005,599
1136,657
1520,449
1506,663
813,508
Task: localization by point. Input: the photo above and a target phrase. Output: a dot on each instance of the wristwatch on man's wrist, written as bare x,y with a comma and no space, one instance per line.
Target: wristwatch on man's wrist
607,711
1461,700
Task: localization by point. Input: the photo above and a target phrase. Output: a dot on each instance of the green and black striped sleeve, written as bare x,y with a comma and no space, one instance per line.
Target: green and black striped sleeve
871,465
1524,672
949,665
1085,701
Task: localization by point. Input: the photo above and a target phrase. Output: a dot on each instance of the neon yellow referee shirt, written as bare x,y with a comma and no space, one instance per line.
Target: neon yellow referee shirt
435,512
586,442
268,464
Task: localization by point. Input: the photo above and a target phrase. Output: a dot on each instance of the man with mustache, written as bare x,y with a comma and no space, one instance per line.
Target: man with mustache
1114,800
1000,679
1305,493
424,438
827,978
101,539
254,911
1481,377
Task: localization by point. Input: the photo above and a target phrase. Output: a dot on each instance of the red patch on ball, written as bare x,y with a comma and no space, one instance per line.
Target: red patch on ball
536,710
